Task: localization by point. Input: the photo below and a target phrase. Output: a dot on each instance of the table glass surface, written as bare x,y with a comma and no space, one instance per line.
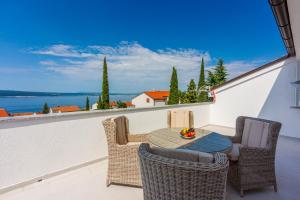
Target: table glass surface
205,141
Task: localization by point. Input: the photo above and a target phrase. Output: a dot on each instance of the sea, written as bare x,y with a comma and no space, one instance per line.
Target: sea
34,102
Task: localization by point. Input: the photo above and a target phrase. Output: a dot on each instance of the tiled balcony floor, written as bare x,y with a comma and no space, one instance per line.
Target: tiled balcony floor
89,182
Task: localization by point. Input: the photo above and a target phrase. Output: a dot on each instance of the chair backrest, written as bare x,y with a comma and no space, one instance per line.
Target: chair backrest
161,176
256,132
116,129
180,118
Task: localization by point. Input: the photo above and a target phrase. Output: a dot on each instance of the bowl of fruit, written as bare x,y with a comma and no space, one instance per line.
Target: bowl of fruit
188,133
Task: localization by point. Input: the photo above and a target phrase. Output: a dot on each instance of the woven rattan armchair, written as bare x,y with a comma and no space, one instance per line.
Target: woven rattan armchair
255,166
173,179
123,164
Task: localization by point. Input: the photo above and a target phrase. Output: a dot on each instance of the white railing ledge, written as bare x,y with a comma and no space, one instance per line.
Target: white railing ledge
87,114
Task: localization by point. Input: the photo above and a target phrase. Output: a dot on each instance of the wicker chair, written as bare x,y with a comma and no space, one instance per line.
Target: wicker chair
180,119
166,178
254,166
123,164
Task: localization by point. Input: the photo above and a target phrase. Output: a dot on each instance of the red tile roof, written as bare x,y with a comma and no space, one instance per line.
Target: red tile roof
129,104
22,114
158,95
3,113
65,109
114,104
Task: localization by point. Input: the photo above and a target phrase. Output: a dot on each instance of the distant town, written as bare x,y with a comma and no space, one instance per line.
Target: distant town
145,99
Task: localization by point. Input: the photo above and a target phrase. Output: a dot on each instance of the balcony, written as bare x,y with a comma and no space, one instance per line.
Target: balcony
63,156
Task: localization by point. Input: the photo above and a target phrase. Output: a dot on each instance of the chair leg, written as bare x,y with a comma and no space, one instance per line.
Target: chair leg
242,193
275,187
107,183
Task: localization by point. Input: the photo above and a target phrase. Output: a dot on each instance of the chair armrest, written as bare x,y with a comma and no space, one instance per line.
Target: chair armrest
137,137
255,155
235,139
129,147
221,159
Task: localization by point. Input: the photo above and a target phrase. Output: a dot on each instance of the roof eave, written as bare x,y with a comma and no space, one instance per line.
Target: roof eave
281,14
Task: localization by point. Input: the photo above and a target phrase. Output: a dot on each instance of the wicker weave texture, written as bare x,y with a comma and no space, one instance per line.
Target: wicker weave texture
123,163
171,179
255,167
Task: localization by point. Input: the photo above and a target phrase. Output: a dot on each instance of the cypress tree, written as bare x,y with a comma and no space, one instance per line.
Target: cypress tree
46,109
173,96
87,104
201,84
220,72
99,103
191,93
105,86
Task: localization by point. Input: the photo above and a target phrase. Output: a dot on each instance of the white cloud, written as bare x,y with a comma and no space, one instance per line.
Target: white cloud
128,62
236,68
239,67
47,62
62,50
132,67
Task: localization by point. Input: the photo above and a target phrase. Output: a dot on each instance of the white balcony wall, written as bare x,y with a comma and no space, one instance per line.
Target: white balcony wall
267,93
36,147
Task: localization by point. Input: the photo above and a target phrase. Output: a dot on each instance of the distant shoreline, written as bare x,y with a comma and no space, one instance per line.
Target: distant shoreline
19,104
18,94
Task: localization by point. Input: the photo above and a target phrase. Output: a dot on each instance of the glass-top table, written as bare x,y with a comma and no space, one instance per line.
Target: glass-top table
205,141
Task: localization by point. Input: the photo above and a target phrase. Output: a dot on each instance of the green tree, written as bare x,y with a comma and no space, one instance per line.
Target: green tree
201,84
105,87
182,97
211,79
173,96
46,109
100,104
220,72
191,93
87,103
121,104
217,75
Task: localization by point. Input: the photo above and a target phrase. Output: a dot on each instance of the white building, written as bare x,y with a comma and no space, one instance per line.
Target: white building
151,99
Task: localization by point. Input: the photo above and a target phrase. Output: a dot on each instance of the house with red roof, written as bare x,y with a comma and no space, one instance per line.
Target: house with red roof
63,109
151,99
22,114
4,113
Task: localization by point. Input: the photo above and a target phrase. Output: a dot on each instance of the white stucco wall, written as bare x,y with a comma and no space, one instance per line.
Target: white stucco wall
35,147
141,101
265,94
159,103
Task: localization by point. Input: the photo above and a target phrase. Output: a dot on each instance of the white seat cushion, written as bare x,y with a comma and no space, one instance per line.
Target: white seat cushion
180,118
255,133
235,152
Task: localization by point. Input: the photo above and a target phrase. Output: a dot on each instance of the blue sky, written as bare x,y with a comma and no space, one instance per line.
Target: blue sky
59,45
